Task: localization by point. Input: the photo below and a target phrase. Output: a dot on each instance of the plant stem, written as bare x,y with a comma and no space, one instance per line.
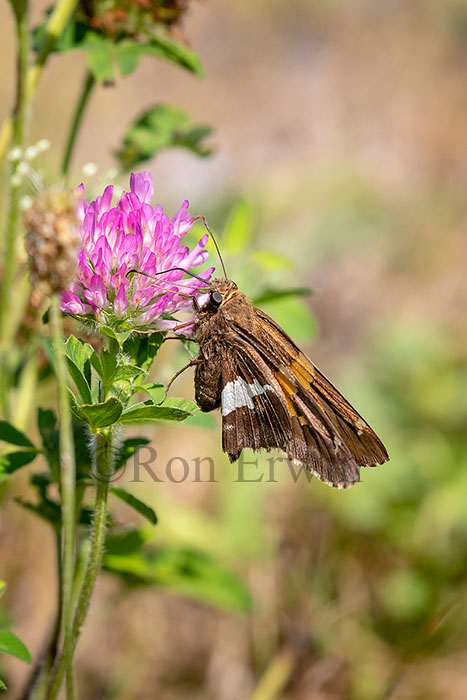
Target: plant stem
56,23
104,467
67,489
86,90
275,678
20,8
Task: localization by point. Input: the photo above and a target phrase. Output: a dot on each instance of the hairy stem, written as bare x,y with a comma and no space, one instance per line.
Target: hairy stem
93,566
67,492
86,90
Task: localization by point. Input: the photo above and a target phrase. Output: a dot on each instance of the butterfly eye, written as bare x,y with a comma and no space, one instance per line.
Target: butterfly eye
216,298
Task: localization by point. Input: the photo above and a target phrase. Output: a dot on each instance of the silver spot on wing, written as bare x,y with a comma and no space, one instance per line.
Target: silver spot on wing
239,393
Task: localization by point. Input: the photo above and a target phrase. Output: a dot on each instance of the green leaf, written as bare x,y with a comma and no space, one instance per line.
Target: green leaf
2,685
271,261
143,413
48,510
83,447
47,424
127,449
10,434
100,415
99,57
160,127
12,461
272,294
155,390
165,47
80,381
79,352
104,50
181,404
2,587
10,644
201,420
128,372
238,228
184,571
142,508
292,314
127,542
142,348
128,54
120,337
105,364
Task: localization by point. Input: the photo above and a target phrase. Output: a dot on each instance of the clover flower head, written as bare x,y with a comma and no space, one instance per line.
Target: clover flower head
125,251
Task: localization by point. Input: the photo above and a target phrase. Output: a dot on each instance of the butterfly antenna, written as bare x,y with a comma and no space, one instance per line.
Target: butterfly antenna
215,243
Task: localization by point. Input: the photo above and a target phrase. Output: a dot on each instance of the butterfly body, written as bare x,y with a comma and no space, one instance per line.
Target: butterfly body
272,396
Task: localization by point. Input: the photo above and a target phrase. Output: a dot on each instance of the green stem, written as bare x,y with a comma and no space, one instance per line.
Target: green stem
104,467
86,90
275,678
67,486
20,8
56,23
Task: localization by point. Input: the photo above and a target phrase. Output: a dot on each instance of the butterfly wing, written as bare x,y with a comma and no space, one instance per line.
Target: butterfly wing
254,410
319,428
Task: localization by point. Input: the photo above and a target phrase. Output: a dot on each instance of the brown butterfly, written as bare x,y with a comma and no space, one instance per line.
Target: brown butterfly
272,396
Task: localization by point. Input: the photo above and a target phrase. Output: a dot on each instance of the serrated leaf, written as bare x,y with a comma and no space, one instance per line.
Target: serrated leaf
80,381
142,413
138,505
160,127
13,461
238,228
100,415
127,449
10,644
10,434
184,571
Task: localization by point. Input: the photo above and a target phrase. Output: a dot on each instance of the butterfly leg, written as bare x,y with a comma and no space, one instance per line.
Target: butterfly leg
191,363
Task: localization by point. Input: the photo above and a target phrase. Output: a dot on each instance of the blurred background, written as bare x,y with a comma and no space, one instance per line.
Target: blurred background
339,164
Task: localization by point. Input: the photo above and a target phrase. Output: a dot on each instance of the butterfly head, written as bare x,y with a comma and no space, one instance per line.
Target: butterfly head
220,291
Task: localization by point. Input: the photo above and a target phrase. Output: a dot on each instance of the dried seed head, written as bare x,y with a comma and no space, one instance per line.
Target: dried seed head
52,240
